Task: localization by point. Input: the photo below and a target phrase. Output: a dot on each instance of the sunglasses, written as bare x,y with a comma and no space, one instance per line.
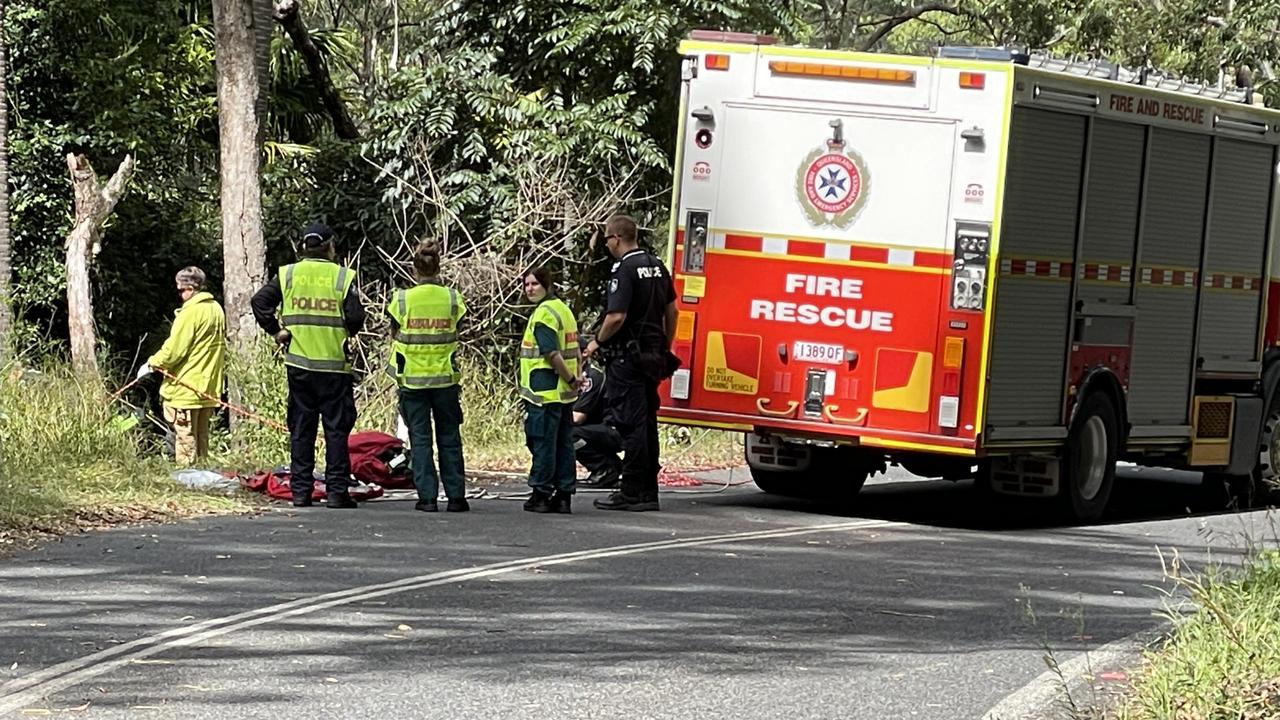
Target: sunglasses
607,238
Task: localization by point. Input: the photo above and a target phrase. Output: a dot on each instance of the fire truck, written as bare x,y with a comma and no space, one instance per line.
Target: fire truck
983,263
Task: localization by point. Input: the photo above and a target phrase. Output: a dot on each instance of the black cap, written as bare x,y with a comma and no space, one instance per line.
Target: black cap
316,234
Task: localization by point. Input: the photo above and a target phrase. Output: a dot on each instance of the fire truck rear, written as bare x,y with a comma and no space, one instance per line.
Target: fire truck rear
982,263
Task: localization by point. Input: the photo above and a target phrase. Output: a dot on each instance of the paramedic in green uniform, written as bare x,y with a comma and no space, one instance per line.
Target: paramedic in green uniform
424,341
549,387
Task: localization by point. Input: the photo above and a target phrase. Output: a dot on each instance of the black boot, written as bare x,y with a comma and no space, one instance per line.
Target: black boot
459,505
561,502
606,478
426,506
301,500
538,502
341,501
618,501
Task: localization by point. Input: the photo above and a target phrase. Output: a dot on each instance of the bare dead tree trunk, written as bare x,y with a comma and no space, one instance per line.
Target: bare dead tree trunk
289,15
239,33
94,202
6,247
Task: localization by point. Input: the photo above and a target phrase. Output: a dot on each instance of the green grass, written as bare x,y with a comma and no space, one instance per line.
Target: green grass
492,429
1223,659
65,461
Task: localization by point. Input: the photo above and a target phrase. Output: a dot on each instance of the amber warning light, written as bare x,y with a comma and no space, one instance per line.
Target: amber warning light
857,73
717,62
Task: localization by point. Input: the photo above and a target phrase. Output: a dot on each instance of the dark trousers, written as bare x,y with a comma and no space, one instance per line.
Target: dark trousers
548,431
419,408
597,447
632,397
316,397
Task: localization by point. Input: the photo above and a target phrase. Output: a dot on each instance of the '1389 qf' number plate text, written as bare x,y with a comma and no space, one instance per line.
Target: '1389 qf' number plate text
818,353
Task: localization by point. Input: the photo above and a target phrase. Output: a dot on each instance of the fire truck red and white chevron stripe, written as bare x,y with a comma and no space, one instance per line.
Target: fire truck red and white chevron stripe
790,247
1103,272
1233,282
1167,277
1036,268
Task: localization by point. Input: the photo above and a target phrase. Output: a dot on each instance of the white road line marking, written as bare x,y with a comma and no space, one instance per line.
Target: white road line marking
23,691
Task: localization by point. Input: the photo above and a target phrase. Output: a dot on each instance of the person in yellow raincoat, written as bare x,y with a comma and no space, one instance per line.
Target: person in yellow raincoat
195,354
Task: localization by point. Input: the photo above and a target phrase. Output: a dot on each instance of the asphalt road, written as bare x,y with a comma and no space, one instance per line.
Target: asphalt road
728,604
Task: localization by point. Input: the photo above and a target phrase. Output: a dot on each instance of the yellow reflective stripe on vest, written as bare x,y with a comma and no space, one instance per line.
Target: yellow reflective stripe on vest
312,364
423,339
314,320
566,396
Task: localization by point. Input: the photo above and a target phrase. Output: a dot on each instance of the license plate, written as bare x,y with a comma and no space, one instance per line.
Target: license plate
818,353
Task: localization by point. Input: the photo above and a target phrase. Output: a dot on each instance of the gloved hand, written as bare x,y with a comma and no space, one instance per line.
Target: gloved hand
145,370
283,337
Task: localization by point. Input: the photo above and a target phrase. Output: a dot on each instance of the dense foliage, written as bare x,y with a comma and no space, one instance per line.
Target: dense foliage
507,129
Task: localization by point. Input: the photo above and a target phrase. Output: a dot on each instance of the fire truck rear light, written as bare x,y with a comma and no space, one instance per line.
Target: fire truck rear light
680,384
685,322
948,411
973,81
953,352
717,62
858,73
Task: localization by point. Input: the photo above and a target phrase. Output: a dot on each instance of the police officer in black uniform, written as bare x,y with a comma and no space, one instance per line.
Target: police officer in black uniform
596,442
635,340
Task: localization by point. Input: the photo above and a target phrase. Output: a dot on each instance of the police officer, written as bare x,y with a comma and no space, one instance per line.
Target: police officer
549,386
636,334
595,441
424,326
319,309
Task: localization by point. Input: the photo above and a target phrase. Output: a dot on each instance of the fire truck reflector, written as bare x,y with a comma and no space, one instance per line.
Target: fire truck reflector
902,380
684,326
843,72
733,363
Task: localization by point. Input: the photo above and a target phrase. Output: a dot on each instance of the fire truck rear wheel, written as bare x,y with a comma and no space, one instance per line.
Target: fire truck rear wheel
833,474
1089,460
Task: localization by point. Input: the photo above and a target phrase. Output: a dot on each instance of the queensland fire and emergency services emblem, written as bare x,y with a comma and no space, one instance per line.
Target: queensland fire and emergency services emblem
831,182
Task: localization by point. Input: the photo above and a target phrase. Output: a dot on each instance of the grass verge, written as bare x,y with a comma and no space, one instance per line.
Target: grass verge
67,462
1222,660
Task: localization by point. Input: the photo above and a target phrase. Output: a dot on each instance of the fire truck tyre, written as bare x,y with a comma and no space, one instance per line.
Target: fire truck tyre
1219,491
1089,464
833,474
1266,486
786,484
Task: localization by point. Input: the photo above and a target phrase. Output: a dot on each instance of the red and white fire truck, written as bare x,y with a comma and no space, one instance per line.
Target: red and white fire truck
985,263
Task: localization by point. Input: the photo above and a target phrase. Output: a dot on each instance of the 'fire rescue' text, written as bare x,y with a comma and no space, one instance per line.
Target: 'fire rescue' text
831,315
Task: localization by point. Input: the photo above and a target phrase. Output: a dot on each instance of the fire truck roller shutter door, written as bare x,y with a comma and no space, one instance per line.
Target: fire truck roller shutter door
1235,252
1032,309
1165,292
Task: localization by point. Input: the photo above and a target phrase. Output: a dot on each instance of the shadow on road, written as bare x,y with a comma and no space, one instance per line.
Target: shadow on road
1140,495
